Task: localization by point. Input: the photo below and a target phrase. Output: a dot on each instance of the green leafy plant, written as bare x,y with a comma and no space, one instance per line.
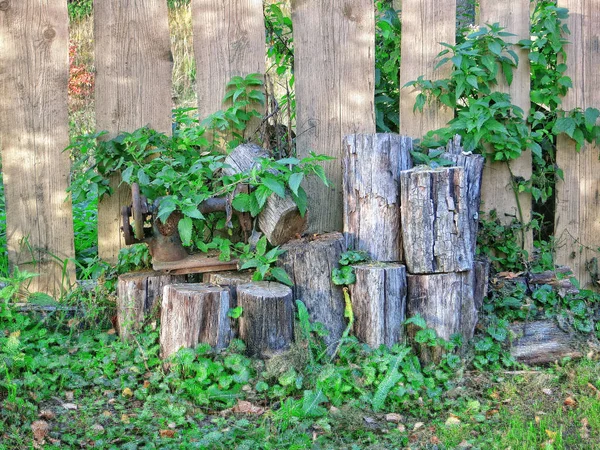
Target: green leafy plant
264,262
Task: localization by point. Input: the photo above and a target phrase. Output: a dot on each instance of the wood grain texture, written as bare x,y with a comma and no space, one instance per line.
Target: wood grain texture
543,342
379,303
138,294
229,40
34,130
497,192
309,263
436,231
267,321
192,314
577,226
425,23
335,77
372,165
133,89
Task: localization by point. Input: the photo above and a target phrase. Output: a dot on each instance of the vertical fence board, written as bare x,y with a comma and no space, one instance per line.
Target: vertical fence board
229,40
133,88
33,132
425,23
334,68
577,227
497,192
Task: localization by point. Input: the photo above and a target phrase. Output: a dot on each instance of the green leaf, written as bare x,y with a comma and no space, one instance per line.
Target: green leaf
417,320
275,185
281,275
311,402
261,246
143,178
192,211
301,201
165,208
185,227
294,182
241,202
564,125
235,313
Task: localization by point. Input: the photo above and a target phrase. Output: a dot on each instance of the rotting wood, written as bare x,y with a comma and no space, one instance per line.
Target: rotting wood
192,314
34,74
133,89
435,223
334,92
379,303
372,165
309,263
266,324
543,342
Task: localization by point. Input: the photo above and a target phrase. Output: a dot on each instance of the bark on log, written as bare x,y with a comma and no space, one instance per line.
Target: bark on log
479,280
379,303
309,263
473,167
542,342
435,222
372,165
138,293
266,324
280,220
193,314
561,283
230,280
446,303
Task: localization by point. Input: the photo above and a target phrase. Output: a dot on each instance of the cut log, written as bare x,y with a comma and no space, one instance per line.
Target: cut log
559,279
446,303
192,314
309,262
230,280
543,342
372,165
280,220
379,303
138,293
266,324
473,167
435,224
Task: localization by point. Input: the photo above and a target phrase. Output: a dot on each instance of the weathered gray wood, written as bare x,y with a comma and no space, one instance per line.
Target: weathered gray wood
479,280
473,167
243,158
543,342
309,262
334,68
266,324
561,283
230,280
379,303
446,303
34,74
372,165
435,224
138,294
133,89
192,314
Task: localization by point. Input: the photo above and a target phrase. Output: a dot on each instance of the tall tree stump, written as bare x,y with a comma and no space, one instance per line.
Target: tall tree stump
379,303
435,223
309,262
372,165
266,324
192,314
138,293
446,303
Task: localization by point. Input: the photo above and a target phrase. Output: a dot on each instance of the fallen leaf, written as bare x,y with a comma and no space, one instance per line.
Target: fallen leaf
244,407
595,389
401,428
40,430
551,434
125,418
495,395
98,428
47,414
127,392
111,331
107,414
71,406
537,420
452,421
167,433
434,440
510,275
69,395
570,402
393,417
491,412
584,430
418,425
146,384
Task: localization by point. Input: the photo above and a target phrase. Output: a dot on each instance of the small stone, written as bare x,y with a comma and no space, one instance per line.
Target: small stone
393,417
418,425
71,406
401,428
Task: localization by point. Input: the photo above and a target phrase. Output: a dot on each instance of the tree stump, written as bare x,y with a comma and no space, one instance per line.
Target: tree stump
138,293
372,165
230,280
193,314
266,324
542,342
309,262
379,303
435,223
446,303
280,219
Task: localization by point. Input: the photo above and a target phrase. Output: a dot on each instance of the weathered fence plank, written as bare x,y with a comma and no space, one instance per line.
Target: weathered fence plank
577,226
34,74
133,89
334,68
497,191
229,40
425,23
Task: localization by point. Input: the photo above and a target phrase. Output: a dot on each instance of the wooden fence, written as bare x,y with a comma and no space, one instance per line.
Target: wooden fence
334,68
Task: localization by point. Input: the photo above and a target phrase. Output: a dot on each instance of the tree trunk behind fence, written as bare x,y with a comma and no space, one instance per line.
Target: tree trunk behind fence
577,220
372,165
335,76
34,131
133,89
